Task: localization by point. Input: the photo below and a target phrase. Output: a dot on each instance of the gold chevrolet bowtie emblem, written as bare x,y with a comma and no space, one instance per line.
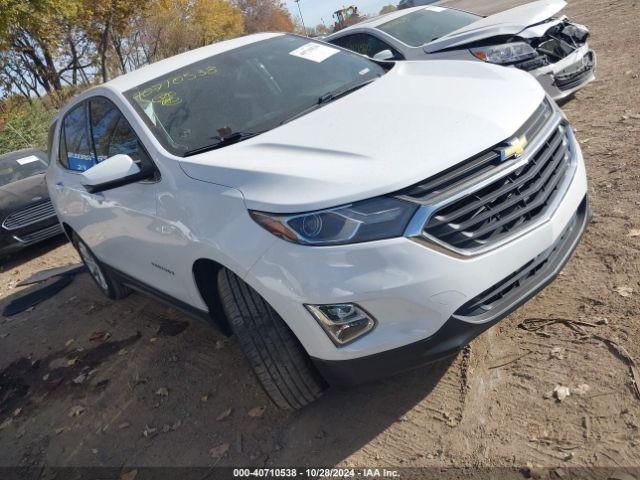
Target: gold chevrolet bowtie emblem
514,149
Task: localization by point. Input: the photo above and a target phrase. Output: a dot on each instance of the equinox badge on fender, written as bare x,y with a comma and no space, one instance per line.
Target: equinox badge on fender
515,148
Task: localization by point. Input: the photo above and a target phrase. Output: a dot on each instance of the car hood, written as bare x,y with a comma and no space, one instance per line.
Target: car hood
415,121
508,22
21,193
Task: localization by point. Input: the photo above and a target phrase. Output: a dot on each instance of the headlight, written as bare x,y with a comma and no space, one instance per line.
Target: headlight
504,54
374,219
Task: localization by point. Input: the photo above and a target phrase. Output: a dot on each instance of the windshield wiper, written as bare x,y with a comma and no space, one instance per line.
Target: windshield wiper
330,96
240,136
327,98
235,137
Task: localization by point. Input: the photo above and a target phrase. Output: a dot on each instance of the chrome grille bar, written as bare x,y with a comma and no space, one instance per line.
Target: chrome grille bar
29,216
476,213
40,235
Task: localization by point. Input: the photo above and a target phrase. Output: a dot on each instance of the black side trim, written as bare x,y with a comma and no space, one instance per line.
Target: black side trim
156,294
455,333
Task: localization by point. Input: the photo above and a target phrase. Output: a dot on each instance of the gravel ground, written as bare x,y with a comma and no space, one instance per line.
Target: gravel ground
86,381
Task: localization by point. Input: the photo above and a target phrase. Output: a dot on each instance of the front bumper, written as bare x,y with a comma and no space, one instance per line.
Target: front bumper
13,241
457,332
568,75
410,288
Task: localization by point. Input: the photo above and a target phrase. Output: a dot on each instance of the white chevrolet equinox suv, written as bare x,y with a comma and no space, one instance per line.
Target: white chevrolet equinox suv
345,219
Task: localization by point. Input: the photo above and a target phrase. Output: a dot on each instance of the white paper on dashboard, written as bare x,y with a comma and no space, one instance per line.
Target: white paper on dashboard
314,52
29,159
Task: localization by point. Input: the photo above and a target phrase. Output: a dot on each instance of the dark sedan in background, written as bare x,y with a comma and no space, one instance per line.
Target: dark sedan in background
26,212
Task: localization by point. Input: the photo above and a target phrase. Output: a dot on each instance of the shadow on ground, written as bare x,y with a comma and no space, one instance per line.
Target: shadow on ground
16,259
132,379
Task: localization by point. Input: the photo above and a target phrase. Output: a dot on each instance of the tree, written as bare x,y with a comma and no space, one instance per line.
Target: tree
320,30
31,34
265,16
105,22
217,20
175,26
388,9
48,45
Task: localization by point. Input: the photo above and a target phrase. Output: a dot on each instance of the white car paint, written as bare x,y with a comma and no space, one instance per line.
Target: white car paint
508,22
311,184
417,120
529,21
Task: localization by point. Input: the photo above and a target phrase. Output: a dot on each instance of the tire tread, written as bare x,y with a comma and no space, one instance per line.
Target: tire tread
274,353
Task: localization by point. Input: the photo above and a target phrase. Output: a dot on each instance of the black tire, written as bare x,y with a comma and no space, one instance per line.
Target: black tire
105,281
276,356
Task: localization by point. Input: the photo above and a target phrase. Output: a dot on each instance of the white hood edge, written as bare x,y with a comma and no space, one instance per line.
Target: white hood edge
415,121
508,22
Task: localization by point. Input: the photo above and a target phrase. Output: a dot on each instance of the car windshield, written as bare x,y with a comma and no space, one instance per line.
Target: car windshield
15,167
246,91
427,24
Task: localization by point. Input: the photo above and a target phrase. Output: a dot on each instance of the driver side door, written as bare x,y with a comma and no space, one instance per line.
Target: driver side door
117,224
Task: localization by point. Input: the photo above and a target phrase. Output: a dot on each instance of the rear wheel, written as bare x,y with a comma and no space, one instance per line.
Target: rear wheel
111,287
274,353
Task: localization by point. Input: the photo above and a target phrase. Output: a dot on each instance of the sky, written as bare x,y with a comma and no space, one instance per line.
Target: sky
315,10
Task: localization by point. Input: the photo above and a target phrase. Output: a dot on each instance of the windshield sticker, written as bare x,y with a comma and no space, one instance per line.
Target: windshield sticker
141,96
166,98
29,159
436,9
364,71
314,52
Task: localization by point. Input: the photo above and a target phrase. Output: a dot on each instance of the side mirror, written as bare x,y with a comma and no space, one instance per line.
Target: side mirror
112,173
383,55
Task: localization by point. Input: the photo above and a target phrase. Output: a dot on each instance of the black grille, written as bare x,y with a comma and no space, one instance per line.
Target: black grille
528,65
478,165
521,280
507,204
48,232
569,82
571,76
29,215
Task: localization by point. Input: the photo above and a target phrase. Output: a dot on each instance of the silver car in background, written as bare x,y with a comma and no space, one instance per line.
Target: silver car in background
552,49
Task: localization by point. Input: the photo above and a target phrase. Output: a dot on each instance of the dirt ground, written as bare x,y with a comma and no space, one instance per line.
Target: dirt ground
86,381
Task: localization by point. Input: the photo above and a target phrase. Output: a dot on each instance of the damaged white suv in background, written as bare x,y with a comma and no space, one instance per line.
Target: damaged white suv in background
344,221
554,50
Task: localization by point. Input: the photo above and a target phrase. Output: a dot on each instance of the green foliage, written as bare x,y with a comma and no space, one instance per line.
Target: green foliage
40,18
24,124
53,47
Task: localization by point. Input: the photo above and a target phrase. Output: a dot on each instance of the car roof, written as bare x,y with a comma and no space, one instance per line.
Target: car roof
376,21
162,67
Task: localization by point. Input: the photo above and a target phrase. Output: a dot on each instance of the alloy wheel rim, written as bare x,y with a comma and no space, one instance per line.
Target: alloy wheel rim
92,265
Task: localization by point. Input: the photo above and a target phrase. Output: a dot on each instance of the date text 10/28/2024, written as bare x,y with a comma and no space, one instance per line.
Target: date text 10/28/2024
315,472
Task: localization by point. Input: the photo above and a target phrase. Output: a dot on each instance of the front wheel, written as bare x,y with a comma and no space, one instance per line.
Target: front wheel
111,287
274,353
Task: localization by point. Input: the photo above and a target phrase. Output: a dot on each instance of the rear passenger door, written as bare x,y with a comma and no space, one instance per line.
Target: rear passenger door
117,224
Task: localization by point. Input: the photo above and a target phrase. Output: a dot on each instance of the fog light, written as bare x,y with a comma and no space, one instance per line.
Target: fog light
343,322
